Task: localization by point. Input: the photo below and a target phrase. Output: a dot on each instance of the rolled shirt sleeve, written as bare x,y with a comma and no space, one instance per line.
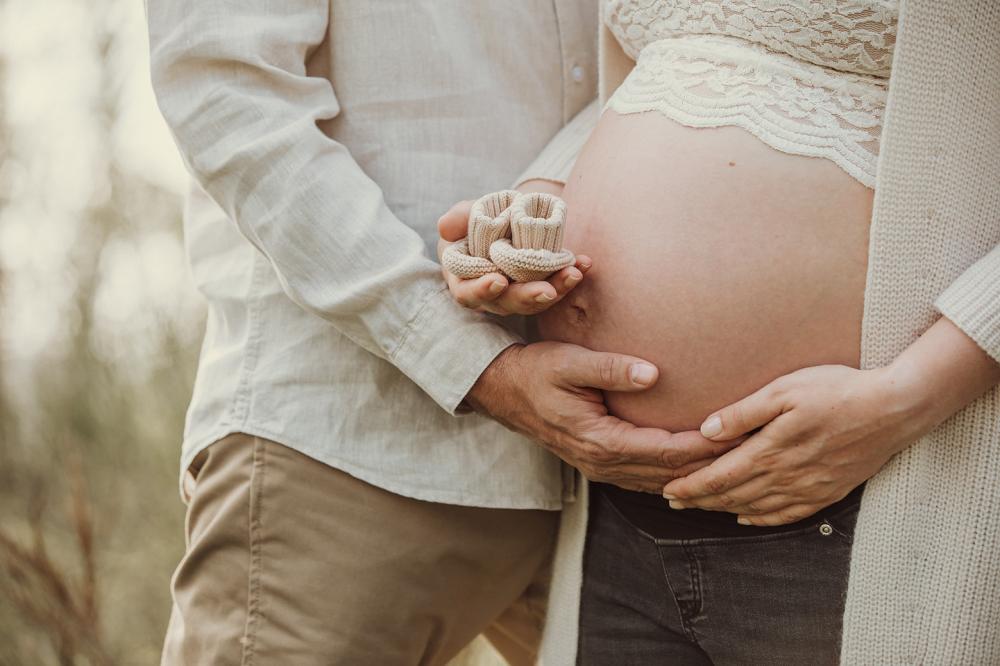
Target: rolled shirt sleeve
972,302
231,81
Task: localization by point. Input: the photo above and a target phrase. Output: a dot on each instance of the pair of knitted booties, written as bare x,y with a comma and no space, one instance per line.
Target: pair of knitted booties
519,235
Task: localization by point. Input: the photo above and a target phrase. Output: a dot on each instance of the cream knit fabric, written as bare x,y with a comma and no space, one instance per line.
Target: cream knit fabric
519,235
925,571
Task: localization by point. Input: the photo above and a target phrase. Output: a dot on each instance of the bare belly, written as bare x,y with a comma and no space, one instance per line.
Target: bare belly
722,261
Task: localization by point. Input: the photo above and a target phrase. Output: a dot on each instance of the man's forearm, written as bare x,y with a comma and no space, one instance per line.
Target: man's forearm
245,115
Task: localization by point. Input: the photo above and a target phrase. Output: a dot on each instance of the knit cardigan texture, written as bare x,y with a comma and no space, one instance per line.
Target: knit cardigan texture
925,568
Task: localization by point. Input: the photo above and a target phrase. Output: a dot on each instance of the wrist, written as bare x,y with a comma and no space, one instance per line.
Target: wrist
908,394
940,373
493,379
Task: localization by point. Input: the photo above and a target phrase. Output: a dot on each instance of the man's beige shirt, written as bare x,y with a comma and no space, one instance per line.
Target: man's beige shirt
325,137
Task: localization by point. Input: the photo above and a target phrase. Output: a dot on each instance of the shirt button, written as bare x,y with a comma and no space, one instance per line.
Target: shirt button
577,73
826,529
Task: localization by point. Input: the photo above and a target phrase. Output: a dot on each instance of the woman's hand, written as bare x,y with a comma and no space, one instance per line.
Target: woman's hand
825,430
494,292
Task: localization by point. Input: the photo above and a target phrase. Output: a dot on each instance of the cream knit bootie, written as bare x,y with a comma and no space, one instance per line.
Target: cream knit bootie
519,235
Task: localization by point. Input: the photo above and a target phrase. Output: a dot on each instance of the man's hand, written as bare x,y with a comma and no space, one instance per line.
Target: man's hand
551,392
494,292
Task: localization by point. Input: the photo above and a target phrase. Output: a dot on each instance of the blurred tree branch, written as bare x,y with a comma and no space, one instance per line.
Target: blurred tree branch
78,427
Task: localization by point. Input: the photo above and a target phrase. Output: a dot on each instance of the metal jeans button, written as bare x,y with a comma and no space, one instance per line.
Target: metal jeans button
825,528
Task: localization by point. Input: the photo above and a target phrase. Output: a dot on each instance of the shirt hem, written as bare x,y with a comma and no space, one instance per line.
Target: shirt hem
192,447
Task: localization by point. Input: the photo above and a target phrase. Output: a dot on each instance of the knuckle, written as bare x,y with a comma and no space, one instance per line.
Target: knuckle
726,500
534,308
737,416
791,515
716,484
779,389
670,474
765,463
604,455
562,364
672,459
607,368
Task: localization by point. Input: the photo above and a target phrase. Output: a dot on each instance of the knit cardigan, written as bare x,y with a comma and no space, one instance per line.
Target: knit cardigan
925,567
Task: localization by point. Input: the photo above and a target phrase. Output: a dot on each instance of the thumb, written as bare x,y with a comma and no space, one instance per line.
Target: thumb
756,410
611,372
454,225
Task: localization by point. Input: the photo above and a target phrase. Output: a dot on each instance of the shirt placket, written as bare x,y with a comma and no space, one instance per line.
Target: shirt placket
576,42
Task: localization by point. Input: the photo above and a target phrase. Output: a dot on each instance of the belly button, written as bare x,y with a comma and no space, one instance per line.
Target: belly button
576,310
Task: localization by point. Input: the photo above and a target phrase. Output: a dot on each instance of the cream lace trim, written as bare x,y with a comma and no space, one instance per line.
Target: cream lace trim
850,35
793,106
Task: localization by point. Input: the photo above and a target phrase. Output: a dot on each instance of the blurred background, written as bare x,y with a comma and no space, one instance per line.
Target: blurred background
99,335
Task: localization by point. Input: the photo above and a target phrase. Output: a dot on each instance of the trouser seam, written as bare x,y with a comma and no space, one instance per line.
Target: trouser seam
608,504
256,565
678,604
694,569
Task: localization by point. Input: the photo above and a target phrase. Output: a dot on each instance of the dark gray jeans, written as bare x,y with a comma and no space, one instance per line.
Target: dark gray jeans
769,599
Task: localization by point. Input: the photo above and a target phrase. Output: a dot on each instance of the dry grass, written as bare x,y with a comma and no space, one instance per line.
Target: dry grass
60,606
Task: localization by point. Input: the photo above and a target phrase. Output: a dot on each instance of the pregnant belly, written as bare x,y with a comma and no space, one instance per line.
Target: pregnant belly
719,259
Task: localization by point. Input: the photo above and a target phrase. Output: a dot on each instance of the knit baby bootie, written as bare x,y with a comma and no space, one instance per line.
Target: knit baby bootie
519,235
489,220
534,250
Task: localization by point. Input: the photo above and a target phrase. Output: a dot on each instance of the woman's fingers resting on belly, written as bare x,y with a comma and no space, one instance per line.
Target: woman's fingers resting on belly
832,428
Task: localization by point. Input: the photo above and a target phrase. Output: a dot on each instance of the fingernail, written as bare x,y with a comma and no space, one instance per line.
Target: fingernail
677,505
642,374
743,521
543,298
669,496
496,287
573,278
711,427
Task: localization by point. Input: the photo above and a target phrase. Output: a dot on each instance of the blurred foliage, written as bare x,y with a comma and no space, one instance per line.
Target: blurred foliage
92,525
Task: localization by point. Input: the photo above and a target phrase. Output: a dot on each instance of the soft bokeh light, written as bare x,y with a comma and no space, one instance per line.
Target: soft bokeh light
99,336
62,135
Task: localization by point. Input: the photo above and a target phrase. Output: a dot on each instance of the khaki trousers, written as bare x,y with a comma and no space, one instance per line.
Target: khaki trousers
290,561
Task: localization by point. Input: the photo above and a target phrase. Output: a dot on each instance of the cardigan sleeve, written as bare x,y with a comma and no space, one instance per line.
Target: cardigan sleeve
973,302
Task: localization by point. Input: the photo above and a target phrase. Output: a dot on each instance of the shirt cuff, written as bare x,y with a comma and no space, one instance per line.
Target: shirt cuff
446,348
556,161
972,302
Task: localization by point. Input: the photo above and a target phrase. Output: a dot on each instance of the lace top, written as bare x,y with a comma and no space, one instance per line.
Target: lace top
808,77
